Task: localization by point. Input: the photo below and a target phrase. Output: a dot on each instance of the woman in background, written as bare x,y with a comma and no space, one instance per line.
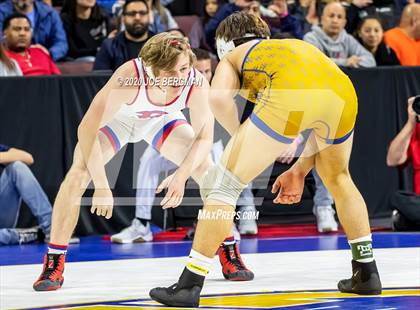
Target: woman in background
370,34
86,25
197,36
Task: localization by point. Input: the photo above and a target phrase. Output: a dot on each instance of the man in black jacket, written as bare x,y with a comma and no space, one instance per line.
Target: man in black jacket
127,44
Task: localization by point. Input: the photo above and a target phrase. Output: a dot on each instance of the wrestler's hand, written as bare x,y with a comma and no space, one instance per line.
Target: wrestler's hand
289,186
176,187
102,203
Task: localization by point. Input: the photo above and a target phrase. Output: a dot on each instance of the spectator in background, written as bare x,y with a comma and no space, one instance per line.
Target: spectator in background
108,5
280,20
359,9
252,7
210,8
127,44
17,36
186,7
370,34
86,25
47,28
17,183
197,35
333,40
406,145
160,18
8,67
400,5
405,39
203,63
305,12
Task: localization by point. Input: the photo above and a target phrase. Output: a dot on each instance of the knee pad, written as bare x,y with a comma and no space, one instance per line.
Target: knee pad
222,185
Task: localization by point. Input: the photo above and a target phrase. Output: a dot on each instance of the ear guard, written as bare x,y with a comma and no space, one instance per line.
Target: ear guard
224,47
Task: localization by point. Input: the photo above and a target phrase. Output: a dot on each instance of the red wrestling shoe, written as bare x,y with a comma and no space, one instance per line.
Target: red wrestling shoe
51,278
234,268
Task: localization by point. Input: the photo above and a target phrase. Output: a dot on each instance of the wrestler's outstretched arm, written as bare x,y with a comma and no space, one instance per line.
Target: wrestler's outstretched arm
102,109
202,121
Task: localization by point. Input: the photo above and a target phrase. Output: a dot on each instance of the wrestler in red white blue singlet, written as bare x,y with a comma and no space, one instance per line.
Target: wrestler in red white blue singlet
143,119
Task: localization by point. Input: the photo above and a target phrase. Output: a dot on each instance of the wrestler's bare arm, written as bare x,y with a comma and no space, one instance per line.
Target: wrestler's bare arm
202,121
224,87
104,106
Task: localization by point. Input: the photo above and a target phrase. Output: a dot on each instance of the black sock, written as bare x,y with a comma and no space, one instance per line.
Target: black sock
189,279
143,221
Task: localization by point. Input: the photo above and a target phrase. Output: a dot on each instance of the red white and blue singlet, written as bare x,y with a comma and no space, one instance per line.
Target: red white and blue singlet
143,119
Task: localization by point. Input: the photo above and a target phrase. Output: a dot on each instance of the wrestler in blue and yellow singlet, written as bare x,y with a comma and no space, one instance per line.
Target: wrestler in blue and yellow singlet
296,87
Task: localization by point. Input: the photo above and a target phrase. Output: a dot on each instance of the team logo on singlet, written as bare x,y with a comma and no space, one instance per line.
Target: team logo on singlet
150,114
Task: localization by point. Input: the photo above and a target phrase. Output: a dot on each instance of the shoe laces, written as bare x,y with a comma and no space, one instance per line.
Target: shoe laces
51,272
232,256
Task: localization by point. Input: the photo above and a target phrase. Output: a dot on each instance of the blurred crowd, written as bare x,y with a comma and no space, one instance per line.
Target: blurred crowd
37,34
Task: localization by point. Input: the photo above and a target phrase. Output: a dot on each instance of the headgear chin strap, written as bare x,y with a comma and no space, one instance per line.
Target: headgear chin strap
224,47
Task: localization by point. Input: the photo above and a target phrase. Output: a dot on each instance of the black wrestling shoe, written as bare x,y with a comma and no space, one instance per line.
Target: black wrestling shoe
177,297
185,293
364,281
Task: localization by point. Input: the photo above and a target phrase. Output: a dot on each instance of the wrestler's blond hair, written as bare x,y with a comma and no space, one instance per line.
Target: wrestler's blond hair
162,50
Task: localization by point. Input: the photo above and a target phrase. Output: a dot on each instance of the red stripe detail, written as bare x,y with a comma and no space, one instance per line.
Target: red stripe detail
57,246
229,239
138,87
168,131
109,136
